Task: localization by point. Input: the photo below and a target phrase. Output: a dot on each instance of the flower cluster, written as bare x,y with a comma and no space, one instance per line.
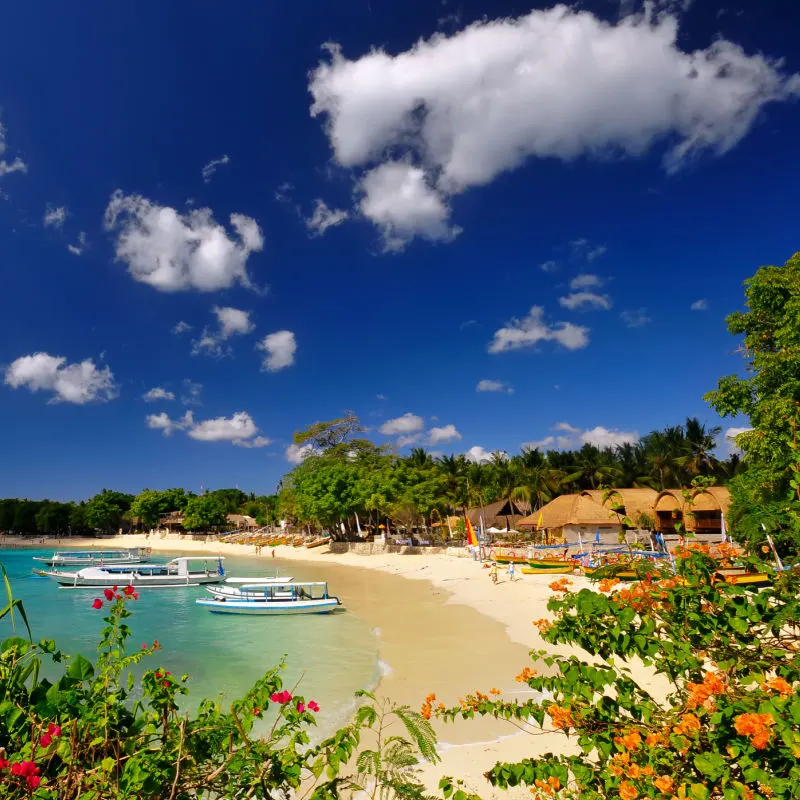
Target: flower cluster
561,716
543,625
52,732
111,595
561,585
756,726
525,675
427,705
25,771
283,697
702,694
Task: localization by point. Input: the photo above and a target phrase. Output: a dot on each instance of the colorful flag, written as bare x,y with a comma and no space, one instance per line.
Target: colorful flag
540,521
472,539
220,569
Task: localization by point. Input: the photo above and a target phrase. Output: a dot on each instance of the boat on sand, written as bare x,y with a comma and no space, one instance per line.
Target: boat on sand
271,599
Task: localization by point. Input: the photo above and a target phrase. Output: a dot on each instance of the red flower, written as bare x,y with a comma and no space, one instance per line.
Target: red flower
136,595
256,711
54,730
45,741
98,603
280,697
34,781
24,769
118,597
109,594
144,646
115,588
312,706
3,763
158,674
156,645
275,697
165,683
129,590
301,707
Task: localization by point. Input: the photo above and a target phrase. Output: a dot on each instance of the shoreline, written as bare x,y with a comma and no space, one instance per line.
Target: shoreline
442,627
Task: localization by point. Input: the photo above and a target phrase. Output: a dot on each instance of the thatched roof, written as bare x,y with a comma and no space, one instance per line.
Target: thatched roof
714,498
572,509
502,514
635,502
242,520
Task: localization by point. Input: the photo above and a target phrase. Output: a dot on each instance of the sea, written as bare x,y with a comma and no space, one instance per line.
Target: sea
330,655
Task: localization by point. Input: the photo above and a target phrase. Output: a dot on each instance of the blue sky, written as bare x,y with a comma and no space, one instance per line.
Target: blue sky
529,196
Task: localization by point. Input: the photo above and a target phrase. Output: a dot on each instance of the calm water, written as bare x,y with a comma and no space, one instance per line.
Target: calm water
224,654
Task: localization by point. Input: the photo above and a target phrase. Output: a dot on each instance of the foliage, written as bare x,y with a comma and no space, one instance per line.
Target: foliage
149,505
729,724
91,735
106,510
204,512
331,434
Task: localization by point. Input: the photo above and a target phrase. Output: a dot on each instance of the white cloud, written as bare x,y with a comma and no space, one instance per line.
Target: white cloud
583,300
447,433
603,437
191,393
17,165
212,166
209,344
730,438
77,249
404,441
408,423
493,386
471,106
225,429
398,198
381,397
77,383
296,453
175,252
542,444
280,348
478,455
54,217
230,322
324,218
549,266
157,393
582,248
699,305
635,319
181,327
532,329
162,422
565,426
259,441
585,281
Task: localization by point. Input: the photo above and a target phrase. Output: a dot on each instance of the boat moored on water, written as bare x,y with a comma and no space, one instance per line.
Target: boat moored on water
274,579
93,558
271,599
178,572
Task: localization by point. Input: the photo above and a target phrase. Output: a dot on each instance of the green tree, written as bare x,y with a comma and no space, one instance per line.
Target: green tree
204,512
53,517
106,510
768,394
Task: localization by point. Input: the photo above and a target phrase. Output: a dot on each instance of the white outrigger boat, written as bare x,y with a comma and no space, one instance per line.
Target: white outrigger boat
268,599
274,579
175,573
93,558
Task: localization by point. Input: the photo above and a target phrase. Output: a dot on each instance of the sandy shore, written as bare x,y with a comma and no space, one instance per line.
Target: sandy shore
437,621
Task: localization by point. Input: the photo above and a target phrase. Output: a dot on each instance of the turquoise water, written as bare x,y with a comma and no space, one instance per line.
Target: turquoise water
335,654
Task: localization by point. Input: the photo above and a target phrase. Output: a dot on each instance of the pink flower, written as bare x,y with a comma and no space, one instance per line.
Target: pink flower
129,590
34,781
54,730
144,646
98,603
109,594
312,706
280,697
275,697
24,769
301,707
45,741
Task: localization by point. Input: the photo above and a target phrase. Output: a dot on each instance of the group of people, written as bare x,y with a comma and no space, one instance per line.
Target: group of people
494,572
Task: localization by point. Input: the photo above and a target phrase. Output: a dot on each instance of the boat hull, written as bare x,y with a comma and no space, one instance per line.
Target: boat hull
501,559
548,569
624,575
245,581
66,581
269,609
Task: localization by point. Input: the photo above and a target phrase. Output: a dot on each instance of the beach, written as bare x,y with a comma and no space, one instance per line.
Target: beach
442,628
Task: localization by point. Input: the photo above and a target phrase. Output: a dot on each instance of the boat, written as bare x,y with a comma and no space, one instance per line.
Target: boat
508,558
275,579
91,558
548,567
740,576
175,573
318,542
269,599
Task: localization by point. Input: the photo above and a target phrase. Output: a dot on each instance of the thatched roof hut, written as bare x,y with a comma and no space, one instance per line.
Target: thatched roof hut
701,514
571,509
637,504
504,514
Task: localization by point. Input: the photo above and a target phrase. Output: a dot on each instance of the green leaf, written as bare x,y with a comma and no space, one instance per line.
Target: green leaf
710,764
80,669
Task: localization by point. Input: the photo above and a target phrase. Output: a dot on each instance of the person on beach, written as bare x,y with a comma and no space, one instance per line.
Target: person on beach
493,573
273,552
511,571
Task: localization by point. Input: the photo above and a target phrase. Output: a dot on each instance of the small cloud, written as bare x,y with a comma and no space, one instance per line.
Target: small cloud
283,194
404,441
157,393
212,166
603,437
585,281
77,249
259,441
585,300
191,393
280,348
565,426
699,305
493,386
635,319
468,324
230,429
730,438
532,329
296,454
582,248
478,455
181,327
230,322
447,433
542,444
408,423
162,422
324,218
54,217
549,266
381,397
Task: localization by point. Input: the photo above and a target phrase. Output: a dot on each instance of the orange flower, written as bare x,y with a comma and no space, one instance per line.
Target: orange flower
756,726
664,784
543,625
778,684
430,698
562,717
654,739
627,791
633,771
554,781
648,770
494,691
440,707
607,584
629,741
689,723
561,585
525,675
616,770
426,710
701,694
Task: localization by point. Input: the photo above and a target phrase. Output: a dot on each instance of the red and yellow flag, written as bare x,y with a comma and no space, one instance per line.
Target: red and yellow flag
472,539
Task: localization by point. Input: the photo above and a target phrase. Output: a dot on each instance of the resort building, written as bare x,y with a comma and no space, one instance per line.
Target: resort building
503,515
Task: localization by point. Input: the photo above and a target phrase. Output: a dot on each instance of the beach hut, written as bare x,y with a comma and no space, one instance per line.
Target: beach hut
635,504
502,515
701,514
242,522
575,518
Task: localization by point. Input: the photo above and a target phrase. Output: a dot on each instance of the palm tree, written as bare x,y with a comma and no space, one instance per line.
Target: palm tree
454,469
664,451
419,457
632,463
699,460
595,466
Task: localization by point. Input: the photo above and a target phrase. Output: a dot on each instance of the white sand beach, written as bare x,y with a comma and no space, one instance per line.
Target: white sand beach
443,628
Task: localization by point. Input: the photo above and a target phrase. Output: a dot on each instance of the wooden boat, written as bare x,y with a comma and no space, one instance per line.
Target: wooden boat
622,575
550,568
175,573
508,558
271,599
92,558
318,542
741,577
